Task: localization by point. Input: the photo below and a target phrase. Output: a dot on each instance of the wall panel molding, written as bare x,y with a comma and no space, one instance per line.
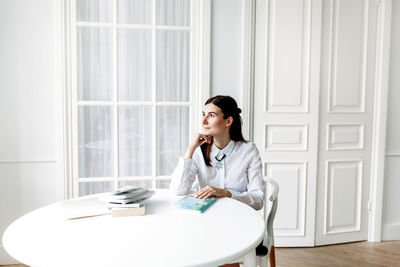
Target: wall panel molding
347,101
393,153
28,161
343,212
247,65
292,180
286,137
391,232
345,136
285,95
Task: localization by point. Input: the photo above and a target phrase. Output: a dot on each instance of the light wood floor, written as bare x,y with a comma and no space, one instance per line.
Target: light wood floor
352,254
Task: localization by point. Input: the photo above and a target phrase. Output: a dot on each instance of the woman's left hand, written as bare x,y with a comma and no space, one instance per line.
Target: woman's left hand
209,191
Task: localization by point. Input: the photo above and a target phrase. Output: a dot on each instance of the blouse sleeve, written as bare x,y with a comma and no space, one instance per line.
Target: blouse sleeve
184,175
254,195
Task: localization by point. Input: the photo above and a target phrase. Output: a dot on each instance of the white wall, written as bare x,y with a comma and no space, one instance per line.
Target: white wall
28,153
391,210
229,66
226,48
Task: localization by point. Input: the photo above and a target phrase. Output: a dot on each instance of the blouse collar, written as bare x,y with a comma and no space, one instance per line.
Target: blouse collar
227,150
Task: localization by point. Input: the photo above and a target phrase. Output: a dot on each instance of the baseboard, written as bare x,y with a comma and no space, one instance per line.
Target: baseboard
391,232
5,259
286,241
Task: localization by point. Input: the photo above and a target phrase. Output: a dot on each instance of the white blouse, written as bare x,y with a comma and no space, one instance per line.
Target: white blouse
240,172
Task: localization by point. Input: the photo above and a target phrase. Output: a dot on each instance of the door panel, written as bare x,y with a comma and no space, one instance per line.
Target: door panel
290,218
289,22
345,124
313,104
286,110
344,209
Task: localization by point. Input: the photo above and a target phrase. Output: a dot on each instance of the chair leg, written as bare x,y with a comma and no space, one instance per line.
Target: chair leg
272,257
263,261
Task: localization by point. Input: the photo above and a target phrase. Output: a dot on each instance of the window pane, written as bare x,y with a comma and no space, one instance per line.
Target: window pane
135,141
134,65
173,12
143,183
134,11
95,142
95,188
95,64
173,66
94,10
172,137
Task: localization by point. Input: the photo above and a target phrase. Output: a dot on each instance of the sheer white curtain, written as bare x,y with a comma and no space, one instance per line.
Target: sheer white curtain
135,82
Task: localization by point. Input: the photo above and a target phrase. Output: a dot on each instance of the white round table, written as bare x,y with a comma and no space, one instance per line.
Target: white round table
165,236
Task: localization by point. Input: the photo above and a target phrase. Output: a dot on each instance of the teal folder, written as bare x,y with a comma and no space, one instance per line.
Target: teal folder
195,204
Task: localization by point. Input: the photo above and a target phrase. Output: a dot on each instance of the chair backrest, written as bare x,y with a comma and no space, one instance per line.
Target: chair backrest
270,216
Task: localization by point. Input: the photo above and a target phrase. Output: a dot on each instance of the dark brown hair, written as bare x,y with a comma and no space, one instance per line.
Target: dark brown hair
229,108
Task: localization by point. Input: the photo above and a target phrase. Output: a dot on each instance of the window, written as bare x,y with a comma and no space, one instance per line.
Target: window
136,90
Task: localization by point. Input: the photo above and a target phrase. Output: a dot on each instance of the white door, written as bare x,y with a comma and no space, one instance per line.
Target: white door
346,117
314,79
286,110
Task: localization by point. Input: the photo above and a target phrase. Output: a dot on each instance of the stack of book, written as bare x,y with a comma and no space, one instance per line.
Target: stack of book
127,201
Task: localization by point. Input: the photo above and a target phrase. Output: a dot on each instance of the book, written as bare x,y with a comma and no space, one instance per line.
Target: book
82,208
132,197
198,205
120,212
118,205
127,194
92,207
125,189
138,199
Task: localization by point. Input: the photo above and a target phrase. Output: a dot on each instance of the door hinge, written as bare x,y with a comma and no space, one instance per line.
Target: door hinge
369,206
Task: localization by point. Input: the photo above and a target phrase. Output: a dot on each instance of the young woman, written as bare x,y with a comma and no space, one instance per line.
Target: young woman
226,164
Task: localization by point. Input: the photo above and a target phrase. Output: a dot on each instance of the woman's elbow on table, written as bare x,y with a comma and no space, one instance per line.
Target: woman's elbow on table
178,190
256,202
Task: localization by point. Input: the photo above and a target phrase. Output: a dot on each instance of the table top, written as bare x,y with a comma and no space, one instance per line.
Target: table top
165,236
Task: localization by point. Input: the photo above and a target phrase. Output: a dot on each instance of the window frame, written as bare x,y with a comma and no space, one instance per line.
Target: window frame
199,88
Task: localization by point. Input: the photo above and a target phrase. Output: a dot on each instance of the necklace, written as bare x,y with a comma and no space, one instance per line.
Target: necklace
220,158
219,164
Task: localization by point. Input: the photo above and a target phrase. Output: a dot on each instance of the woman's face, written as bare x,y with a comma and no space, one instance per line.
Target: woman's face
214,123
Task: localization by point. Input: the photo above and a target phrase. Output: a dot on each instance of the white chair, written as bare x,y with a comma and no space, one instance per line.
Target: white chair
269,217
268,249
